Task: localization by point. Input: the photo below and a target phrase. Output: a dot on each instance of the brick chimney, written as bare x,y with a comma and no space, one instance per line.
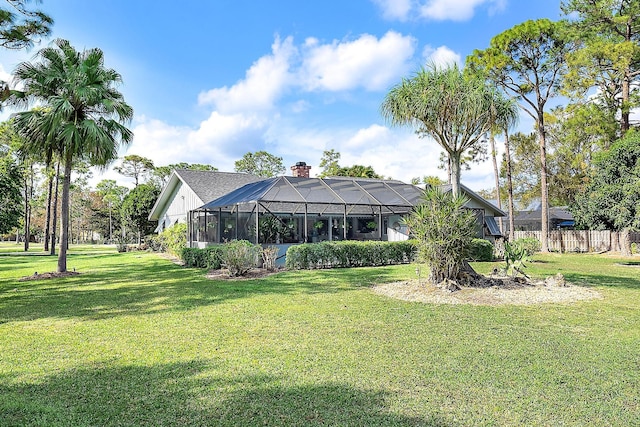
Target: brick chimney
301,170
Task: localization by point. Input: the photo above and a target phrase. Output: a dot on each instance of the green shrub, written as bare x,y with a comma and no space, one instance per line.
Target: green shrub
174,238
209,257
529,245
634,248
240,256
349,254
121,243
155,243
481,250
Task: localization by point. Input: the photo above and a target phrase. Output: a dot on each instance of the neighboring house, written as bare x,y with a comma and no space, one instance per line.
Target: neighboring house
187,190
485,211
530,219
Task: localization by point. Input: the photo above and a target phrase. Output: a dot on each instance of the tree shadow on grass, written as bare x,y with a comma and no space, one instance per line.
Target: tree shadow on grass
192,393
157,285
607,281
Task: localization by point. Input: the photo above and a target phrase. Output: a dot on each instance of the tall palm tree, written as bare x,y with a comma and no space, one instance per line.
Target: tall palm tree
447,104
84,115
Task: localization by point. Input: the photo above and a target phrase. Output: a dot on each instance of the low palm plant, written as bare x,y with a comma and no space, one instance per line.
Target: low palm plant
444,229
515,255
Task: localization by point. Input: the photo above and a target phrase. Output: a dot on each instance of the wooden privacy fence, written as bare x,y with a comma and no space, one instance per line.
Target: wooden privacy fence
581,240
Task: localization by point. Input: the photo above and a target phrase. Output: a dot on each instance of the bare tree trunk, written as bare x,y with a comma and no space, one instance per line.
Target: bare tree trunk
28,195
26,215
544,191
626,89
47,220
624,119
454,161
64,236
54,222
110,225
625,242
496,175
507,150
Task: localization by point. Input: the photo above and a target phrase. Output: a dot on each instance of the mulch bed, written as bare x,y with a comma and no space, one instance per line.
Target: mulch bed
52,275
490,291
256,273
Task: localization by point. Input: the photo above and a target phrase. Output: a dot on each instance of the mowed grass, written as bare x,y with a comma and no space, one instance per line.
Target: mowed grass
12,248
136,340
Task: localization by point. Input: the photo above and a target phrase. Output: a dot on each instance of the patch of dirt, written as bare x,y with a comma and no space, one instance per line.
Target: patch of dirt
52,275
256,273
174,259
503,291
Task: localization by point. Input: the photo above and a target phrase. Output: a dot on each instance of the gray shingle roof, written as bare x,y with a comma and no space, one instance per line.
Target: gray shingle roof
473,196
209,185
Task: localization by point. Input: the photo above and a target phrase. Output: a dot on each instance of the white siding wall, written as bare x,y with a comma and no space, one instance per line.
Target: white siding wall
475,205
182,201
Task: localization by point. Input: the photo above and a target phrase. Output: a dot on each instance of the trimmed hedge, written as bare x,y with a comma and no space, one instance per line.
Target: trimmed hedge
349,254
209,257
481,250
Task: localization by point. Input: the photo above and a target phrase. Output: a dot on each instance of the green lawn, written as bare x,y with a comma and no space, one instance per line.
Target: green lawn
136,340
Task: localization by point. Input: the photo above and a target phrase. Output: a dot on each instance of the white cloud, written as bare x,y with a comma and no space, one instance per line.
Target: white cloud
395,9
263,84
225,138
159,141
441,56
4,75
367,136
396,153
366,62
457,10
255,114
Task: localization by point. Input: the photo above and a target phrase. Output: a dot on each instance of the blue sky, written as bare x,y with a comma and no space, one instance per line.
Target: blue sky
210,80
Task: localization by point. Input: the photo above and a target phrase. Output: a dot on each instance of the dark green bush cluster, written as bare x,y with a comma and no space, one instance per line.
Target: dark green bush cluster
481,250
209,257
349,254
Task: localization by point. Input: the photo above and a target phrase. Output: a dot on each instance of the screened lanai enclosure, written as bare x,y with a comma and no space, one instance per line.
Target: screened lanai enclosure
288,210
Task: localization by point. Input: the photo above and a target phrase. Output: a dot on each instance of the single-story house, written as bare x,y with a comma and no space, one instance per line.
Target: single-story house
187,190
531,218
289,210
286,210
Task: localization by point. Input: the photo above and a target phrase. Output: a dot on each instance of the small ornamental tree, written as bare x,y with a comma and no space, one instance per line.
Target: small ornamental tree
444,229
450,105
